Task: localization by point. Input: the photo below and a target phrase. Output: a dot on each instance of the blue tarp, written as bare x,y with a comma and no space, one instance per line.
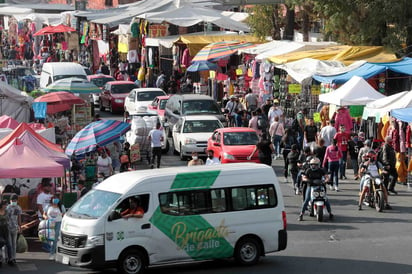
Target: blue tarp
403,114
368,70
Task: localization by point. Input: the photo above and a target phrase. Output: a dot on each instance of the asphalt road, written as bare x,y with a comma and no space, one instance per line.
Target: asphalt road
354,242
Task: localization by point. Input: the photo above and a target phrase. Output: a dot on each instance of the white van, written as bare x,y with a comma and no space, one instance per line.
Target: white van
54,71
190,214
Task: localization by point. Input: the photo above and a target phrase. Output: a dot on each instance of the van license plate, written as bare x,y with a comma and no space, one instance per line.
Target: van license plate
65,260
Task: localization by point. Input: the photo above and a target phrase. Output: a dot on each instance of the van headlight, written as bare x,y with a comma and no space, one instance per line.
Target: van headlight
190,141
95,240
119,101
228,156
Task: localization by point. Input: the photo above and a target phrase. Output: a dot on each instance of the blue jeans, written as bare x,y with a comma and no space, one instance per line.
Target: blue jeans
342,163
276,143
11,248
56,236
333,170
355,166
307,200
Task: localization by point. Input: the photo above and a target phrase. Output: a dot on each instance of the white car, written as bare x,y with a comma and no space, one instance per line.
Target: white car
139,98
191,133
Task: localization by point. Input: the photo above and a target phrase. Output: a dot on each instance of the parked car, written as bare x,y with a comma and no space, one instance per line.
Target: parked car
113,95
234,144
158,105
190,134
99,80
190,104
139,99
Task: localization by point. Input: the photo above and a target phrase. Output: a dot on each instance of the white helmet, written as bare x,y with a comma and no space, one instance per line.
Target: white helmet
314,163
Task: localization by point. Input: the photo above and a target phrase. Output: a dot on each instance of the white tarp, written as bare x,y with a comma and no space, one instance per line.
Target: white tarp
186,14
168,41
13,10
282,48
41,18
14,103
303,70
382,106
355,92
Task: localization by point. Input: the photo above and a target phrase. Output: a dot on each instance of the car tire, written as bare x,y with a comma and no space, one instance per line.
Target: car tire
132,261
111,108
101,107
182,157
166,150
247,251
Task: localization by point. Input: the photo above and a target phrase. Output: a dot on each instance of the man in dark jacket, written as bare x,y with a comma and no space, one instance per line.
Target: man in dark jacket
389,163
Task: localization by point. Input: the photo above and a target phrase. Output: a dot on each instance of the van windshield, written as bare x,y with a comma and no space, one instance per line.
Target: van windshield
59,77
200,107
93,205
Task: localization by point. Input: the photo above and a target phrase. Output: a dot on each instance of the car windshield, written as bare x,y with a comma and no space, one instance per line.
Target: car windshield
162,104
123,88
240,138
93,205
200,107
148,95
201,126
101,81
59,77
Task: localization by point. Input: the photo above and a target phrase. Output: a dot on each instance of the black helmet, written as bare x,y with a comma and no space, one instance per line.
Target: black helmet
368,143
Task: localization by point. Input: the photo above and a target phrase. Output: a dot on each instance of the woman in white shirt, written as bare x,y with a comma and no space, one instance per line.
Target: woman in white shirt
54,214
104,164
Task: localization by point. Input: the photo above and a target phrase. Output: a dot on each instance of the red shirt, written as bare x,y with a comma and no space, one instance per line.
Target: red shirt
342,138
137,211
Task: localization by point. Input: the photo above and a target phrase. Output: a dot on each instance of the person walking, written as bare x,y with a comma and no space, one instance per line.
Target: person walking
333,155
264,149
389,163
4,229
54,214
156,137
354,145
328,132
104,163
276,131
342,139
288,139
14,212
43,199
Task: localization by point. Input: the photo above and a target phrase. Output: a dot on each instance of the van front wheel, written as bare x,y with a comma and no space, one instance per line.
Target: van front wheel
132,262
247,251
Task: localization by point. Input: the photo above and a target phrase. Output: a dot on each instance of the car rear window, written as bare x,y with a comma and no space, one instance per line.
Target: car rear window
200,107
201,126
162,104
101,81
122,88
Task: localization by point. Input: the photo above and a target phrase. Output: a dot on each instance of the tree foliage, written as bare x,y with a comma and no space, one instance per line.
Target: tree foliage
264,21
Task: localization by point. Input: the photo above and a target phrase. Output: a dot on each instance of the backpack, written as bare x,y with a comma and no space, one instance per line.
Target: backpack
262,123
295,125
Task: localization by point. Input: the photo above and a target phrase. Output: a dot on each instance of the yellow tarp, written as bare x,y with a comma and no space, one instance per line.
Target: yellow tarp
196,42
345,54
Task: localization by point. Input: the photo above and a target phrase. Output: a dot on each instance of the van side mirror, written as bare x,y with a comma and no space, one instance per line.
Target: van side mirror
216,144
114,216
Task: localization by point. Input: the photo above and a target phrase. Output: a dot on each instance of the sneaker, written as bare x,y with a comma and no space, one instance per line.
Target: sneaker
344,177
393,191
336,189
331,216
300,218
387,206
51,257
330,187
359,207
297,191
11,262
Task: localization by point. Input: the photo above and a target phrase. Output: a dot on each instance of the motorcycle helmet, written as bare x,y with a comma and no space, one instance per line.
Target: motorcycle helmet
314,163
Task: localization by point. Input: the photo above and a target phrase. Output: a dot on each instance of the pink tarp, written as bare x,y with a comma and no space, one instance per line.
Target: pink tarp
8,122
18,160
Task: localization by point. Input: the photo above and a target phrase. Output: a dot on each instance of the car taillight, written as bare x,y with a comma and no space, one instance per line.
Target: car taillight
284,219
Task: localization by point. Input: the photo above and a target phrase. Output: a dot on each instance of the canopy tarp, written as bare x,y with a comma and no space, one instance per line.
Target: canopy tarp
403,114
18,160
14,103
368,70
196,42
355,92
382,106
345,54
168,41
25,127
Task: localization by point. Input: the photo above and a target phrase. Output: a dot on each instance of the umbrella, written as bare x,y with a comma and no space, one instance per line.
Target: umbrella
54,29
200,66
98,133
73,85
8,122
59,101
219,50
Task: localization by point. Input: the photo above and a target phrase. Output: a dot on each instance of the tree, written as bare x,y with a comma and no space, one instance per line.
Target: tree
264,20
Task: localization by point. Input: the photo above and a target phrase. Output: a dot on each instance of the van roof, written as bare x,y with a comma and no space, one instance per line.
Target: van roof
63,68
124,182
194,96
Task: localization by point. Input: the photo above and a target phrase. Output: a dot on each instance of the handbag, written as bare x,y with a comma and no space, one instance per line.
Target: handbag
22,245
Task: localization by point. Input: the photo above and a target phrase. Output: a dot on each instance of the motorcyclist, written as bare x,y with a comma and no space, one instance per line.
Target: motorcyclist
372,166
314,172
303,164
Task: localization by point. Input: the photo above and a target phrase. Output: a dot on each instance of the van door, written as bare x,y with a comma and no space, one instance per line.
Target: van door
123,231
130,102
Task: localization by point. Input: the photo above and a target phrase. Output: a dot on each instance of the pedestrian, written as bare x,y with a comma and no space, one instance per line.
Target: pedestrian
265,149
125,157
354,145
251,101
300,119
82,188
276,131
274,111
320,150
333,155
44,198
232,108
104,69
292,161
288,139
389,163
211,159
266,107
156,138
14,217
115,149
4,229
196,161
253,123
54,214
342,139
310,132
328,132
104,163
161,81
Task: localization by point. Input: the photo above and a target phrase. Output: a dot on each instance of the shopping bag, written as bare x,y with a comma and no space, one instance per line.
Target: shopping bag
21,246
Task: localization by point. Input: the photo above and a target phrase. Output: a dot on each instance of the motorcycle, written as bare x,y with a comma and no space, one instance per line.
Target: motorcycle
318,199
374,195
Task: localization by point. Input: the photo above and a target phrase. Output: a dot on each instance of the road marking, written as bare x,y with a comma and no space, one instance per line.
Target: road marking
26,267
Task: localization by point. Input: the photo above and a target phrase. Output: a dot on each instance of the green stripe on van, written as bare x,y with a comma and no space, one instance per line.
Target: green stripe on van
192,233
195,179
